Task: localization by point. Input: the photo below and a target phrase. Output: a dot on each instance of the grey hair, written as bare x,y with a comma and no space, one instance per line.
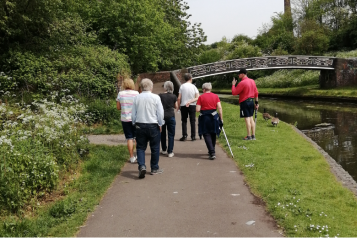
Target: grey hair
169,86
207,86
146,84
187,77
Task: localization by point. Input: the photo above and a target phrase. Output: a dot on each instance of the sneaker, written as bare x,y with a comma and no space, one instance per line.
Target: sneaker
212,157
171,155
183,138
156,171
142,172
253,137
193,138
163,152
133,160
247,138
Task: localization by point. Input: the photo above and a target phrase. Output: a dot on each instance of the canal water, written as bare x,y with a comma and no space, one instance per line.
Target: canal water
332,125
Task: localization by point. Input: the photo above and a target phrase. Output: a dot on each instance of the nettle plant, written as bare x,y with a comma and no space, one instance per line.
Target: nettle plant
37,141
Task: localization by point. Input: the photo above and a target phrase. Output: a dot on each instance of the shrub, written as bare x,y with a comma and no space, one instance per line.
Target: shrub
86,70
36,142
289,78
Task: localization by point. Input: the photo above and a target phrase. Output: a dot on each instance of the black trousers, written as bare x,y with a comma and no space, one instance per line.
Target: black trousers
185,112
210,139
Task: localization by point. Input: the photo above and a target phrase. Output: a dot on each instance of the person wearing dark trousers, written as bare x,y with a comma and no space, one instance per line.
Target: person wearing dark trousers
188,95
148,117
169,102
209,122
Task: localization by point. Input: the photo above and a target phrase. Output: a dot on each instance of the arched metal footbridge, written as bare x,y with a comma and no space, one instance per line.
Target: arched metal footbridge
334,72
261,63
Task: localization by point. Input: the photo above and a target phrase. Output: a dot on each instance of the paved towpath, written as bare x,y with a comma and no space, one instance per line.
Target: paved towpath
194,196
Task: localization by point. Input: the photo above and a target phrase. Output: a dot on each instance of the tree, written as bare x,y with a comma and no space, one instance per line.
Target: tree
155,34
277,35
313,39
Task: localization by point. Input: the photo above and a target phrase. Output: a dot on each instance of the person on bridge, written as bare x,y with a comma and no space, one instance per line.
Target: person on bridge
148,117
188,95
247,91
125,103
169,102
209,123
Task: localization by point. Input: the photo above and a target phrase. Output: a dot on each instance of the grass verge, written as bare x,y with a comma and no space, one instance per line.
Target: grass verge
292,177
65,216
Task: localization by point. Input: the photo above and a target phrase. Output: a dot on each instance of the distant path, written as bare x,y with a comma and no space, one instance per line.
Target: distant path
194,196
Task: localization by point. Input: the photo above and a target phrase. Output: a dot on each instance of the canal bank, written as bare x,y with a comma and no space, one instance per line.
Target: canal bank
292,177
311,92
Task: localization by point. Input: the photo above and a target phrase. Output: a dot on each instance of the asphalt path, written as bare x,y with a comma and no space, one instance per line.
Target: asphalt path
193,197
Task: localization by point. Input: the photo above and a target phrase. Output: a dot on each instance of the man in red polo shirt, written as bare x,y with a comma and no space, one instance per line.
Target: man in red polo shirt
247,91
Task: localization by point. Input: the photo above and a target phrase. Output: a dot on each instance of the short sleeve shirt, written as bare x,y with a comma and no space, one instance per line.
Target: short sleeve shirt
126,99
208,101
168,102
188,92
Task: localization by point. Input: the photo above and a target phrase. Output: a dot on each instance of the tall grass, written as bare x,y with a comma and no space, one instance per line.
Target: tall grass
289,78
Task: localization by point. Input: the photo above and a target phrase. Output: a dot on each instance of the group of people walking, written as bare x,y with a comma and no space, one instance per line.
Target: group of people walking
149,118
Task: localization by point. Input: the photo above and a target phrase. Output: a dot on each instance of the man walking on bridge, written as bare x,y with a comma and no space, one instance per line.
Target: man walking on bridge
247,91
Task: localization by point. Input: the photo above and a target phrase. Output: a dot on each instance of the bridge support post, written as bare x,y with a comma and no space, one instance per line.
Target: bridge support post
345,74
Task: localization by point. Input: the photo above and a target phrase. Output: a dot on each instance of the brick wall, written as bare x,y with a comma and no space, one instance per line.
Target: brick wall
157,77
345,74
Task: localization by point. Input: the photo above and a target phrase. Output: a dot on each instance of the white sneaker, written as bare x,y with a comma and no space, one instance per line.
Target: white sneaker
133,160
171,155
163,152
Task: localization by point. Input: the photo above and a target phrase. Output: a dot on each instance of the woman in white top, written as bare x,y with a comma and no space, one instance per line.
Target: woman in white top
125,103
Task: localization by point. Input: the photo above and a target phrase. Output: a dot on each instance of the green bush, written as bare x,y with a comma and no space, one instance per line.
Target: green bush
85,70
37,141
102,111
289,78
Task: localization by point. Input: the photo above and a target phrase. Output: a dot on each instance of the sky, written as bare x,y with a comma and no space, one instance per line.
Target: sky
228,18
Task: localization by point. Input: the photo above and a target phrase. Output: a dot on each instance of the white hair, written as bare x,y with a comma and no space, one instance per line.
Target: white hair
169,86
207,86
146,84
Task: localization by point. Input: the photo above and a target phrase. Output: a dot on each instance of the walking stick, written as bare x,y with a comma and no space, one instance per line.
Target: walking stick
227,141
255,123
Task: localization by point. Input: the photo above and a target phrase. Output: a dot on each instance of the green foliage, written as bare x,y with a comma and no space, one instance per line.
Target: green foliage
242,37
63,208
289,78
37,142
209,56
278,35
241,49
64,217
348,54
314,39
102,111
152,33
85,70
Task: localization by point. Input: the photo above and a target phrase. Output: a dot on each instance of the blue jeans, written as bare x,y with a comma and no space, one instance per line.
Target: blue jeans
170,124
148,133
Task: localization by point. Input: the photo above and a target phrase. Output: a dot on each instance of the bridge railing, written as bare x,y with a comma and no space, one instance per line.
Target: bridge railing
260,63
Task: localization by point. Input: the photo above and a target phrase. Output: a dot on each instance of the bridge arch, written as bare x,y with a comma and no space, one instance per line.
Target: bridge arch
334,72
261,63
